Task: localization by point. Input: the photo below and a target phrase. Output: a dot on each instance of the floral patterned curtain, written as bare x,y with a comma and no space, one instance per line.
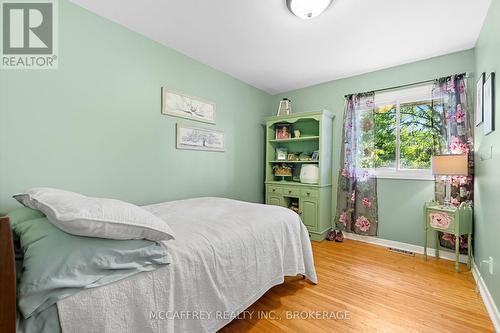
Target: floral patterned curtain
357,186
451,106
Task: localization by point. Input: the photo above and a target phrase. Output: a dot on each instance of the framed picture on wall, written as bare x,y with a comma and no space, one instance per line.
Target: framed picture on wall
194,138
489,104
479,99
178,104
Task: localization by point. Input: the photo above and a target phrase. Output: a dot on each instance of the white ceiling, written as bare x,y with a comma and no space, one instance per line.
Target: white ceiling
260,42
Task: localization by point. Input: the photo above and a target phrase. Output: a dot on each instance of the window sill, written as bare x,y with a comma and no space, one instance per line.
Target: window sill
410,175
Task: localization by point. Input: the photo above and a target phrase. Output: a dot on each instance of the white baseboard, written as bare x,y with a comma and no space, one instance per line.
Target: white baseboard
448,255
491,307
481,286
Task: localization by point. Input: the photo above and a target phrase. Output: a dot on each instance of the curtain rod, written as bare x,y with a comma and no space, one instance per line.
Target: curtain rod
467,75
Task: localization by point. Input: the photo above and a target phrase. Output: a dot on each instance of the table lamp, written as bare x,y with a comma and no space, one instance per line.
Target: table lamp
449,165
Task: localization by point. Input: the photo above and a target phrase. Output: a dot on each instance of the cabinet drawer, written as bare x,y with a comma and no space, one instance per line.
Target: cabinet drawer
274,190
308,193
441,220
291,191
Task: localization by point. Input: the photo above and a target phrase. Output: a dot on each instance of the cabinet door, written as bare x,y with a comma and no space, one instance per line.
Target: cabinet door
309,212
274,200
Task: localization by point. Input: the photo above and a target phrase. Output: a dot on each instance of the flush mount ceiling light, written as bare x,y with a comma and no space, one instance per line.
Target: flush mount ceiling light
308,9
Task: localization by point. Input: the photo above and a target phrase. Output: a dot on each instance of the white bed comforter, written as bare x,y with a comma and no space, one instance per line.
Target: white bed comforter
226,255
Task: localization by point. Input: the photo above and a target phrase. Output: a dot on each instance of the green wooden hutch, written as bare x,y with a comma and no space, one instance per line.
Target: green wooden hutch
314,201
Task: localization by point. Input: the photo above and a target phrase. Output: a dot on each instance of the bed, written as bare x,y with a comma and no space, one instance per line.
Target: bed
226,255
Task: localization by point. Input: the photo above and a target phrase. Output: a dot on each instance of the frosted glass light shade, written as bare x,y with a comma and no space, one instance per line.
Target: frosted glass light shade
450,165
307,9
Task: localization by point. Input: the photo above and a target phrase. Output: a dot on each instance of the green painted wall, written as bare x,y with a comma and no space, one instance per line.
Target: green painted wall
94,125
487,185
400,201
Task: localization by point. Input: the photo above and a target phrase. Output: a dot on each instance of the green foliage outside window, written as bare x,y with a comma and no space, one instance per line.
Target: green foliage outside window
419,127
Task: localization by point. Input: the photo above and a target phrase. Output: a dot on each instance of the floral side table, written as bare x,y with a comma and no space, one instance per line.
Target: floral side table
453,220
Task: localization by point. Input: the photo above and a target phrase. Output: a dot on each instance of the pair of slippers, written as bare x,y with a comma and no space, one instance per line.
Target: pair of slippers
335,235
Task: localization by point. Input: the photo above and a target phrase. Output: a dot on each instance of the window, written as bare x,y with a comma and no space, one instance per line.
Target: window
405,130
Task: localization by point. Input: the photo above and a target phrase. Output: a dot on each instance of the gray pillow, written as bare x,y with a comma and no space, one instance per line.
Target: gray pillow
57,264
80,215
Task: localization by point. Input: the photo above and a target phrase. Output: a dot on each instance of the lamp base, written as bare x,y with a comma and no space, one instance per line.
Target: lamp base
447,191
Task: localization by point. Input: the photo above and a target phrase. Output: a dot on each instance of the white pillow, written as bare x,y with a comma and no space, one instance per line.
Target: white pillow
95,217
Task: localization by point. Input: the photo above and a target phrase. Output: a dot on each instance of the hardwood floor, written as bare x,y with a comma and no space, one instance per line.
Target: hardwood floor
378,290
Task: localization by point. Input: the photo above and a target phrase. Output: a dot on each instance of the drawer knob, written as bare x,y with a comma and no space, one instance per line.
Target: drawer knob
308,193
289,191
274,190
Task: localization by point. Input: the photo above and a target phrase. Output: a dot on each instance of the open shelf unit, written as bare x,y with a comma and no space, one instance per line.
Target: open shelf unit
315,135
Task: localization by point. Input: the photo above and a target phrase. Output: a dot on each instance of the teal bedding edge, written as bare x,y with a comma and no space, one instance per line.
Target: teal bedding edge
44,322
56,265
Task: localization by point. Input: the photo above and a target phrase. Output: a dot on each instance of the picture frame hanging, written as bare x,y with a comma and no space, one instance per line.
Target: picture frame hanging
489,104
179,104
195,138
480,99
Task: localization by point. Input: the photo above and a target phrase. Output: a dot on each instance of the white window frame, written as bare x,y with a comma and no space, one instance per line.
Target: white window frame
411,95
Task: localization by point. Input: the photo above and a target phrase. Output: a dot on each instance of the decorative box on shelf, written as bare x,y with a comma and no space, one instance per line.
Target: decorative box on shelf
456,221
306,140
